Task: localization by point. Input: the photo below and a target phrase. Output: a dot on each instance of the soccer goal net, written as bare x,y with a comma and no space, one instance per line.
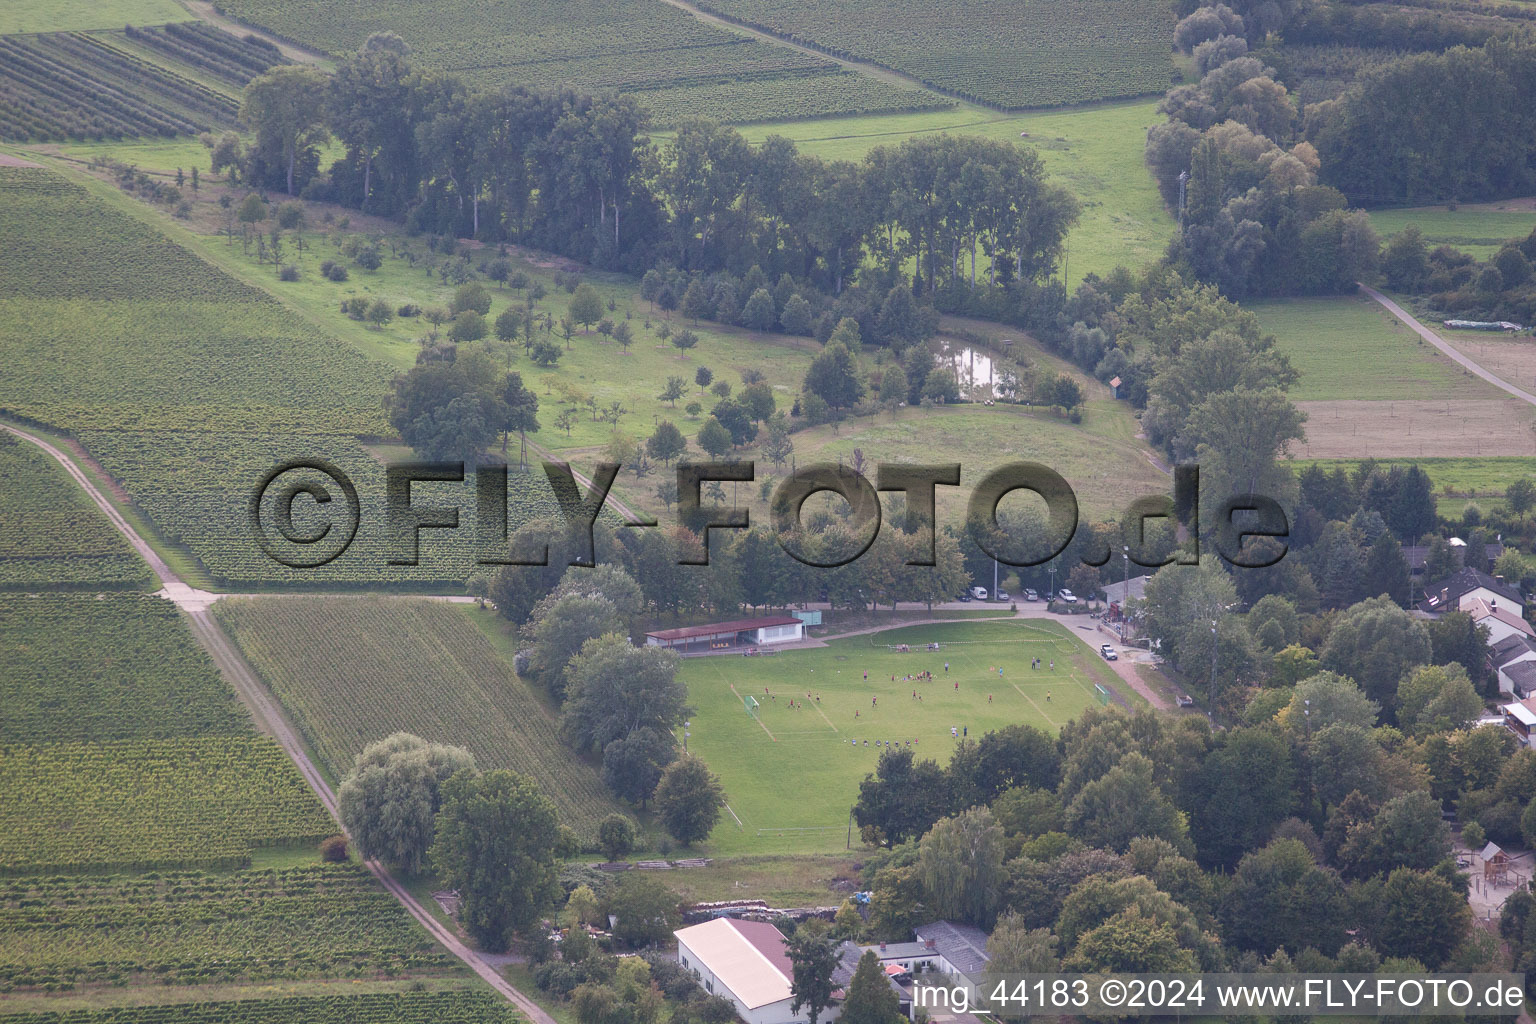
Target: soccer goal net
750,703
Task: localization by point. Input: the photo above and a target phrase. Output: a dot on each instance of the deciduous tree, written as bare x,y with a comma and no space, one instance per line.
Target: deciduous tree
495,843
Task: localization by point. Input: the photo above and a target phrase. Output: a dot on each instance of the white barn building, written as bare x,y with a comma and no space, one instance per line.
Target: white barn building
748,963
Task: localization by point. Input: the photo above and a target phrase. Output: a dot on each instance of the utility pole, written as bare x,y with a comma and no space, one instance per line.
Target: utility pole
1183,183
994,579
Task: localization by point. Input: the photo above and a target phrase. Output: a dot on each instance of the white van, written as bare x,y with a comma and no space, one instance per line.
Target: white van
979,593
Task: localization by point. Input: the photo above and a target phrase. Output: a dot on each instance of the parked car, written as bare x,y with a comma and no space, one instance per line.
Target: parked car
1185,701
1108,652
1030,595
979,593
965,596
1002,595
1066,597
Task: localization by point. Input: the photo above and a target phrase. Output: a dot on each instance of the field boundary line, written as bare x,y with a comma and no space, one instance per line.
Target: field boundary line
824,717
270,719
756,718
1032,703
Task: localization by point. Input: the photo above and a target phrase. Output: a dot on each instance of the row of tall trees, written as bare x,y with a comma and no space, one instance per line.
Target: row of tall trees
578,175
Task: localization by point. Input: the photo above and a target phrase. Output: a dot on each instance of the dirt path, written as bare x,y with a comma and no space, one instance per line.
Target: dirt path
586,481
1445,347
874,71
271,720
298,54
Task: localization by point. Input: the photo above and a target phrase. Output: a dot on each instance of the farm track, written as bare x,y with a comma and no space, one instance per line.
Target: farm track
298,54
270,719
1446,348
876,72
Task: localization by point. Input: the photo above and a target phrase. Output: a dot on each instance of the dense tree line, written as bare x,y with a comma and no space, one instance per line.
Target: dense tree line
1143,842
1433,127
1501,288
1262,213
577,174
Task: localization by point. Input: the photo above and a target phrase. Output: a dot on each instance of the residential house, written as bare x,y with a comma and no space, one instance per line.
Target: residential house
1513,660
1500,622
1466,585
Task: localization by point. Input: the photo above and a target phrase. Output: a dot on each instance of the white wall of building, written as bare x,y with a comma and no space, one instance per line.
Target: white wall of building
1505,684
1498,629
781,634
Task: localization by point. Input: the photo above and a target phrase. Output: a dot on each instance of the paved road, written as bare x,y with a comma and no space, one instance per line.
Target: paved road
269,716
1446,348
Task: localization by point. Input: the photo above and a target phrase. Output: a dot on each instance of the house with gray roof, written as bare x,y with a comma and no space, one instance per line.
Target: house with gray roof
958,948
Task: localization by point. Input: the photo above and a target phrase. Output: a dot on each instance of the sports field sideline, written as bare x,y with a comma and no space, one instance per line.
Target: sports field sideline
792,769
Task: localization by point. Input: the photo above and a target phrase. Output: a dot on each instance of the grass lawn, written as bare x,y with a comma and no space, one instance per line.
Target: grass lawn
1348,347
791,776
1096,151
1478,229
1105,472
79,15
150,155
784,881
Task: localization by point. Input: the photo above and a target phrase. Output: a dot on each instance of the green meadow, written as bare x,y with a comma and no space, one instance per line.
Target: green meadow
1348,347
1477,230
791,775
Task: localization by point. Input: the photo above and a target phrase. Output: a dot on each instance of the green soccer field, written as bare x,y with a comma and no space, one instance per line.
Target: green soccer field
791,774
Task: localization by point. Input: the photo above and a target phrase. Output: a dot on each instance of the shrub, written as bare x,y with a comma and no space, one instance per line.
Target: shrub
290,214
408,310
288,273
379,313
369,258
333,271
471,296
334,850
467,326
